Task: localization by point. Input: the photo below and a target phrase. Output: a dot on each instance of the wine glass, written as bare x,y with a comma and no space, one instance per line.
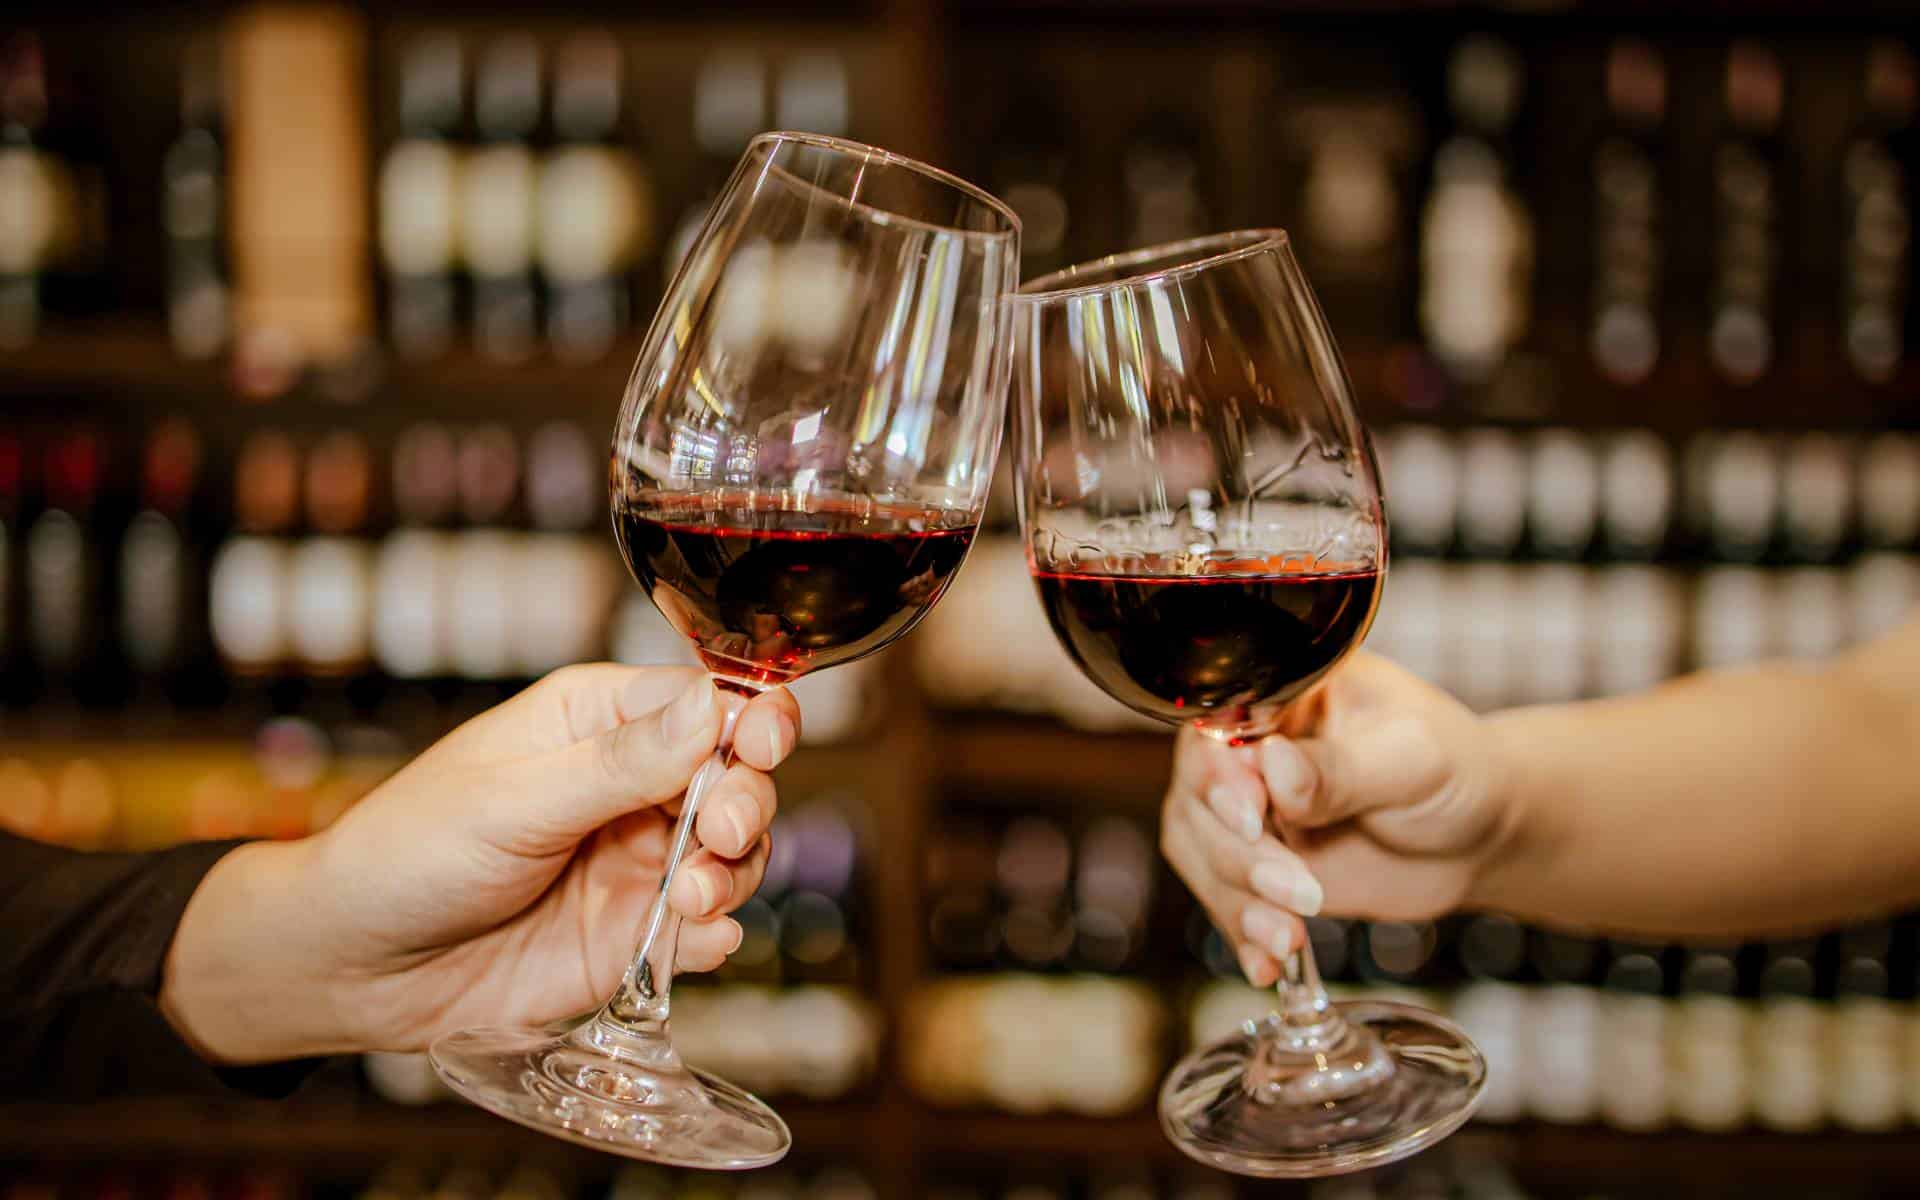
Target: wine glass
798,469
1204,524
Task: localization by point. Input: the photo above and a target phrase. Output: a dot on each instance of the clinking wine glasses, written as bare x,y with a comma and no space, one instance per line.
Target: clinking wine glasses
1204,524
798,469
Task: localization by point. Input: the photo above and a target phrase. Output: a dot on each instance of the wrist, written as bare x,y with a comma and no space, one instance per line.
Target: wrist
241,984
1515,833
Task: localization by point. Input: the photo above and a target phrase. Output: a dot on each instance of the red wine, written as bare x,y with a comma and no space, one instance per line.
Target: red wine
1227,648
768,594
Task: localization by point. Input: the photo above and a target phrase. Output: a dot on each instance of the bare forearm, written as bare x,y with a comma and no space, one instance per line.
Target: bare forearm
1778,799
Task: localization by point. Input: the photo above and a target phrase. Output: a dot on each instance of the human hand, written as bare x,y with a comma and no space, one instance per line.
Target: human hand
502,877
1390,794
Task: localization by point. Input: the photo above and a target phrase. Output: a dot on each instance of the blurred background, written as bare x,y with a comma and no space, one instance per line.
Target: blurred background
313,322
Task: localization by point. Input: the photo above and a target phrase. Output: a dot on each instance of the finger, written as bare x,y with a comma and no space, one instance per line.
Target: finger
1266,868
706,885
1226,779
575,703
637,764
738,812
768,730
704,945
1260,932
1318,781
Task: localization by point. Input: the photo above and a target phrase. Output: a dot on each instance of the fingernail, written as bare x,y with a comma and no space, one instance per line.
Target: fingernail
1251,966
1288,886
738,824
708,889
689,712
1288,776
739,934
1268,930
1240,813
781,738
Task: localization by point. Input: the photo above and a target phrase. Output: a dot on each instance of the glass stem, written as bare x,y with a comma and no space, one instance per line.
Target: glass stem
638,1012
1304,1008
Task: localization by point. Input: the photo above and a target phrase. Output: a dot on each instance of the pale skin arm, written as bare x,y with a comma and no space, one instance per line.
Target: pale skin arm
1771,800
501,878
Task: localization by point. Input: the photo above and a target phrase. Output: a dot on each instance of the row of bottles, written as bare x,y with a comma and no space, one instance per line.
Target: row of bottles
1790,1036
1497,635
1622,495
166,561
1605,204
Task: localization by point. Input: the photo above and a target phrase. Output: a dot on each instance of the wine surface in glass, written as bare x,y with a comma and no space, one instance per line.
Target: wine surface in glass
768,593
1215,644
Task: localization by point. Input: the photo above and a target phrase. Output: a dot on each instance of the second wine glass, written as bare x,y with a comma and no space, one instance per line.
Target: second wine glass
1204,524
798,469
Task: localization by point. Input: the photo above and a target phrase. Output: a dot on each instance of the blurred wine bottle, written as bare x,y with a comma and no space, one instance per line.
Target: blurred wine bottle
1629,200
420,200
68,581
194,207
1030,166
330,574
248,590
729,107
1877,218
1751,177
52,238
1164,170
12,503
595,208
163,569
499,191
1477,237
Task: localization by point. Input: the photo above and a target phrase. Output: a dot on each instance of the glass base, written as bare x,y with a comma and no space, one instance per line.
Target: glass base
614,1089
1373,1083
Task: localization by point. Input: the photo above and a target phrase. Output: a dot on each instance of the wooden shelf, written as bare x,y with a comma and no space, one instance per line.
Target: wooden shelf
357,1137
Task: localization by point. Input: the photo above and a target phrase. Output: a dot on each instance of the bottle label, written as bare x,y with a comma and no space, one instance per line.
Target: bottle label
498,190
419,219
595,209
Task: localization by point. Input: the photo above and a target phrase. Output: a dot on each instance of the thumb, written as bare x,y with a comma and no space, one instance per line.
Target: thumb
644,760
1317,781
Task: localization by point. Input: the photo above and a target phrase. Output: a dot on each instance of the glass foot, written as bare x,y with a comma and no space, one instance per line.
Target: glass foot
1374,1082
615,1090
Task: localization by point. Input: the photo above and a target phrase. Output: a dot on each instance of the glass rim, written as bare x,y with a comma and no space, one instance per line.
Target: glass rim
945,178
1192,256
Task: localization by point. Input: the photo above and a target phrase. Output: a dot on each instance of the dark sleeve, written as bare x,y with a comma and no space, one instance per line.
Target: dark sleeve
83,940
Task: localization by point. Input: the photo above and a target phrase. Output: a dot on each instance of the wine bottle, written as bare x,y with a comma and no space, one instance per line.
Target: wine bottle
595,206
1863,1036
53,204
248,599
1164,172
1494,1010
1709,1074
1477,237
163,569
12,499
499,188
410,605
69,606
1750,178
482,565
1030,166
330,575
420,200
1630,1049
1788,1041
1878,217
1624,334
194,204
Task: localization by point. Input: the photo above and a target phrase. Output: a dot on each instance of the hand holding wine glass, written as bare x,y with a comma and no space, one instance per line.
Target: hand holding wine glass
798,470
1388,787
1205,528
469,887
